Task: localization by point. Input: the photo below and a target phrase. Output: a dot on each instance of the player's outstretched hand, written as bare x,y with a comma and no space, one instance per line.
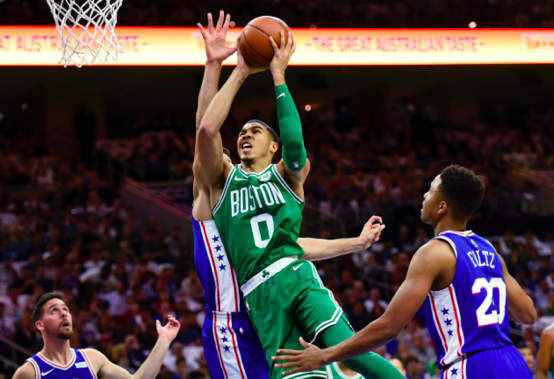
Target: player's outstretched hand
281,56
243,67
215,39
170,330
372,231
300,360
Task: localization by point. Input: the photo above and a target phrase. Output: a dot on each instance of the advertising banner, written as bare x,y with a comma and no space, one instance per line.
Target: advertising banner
159,46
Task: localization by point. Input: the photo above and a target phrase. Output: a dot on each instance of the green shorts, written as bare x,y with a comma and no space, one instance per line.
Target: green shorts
290,304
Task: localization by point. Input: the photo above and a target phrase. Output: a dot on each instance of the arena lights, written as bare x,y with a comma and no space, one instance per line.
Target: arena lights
152,46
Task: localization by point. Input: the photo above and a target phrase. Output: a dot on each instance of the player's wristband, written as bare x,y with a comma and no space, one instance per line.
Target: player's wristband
294,152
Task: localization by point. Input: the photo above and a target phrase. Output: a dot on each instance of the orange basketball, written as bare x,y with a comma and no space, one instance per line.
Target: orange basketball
255,46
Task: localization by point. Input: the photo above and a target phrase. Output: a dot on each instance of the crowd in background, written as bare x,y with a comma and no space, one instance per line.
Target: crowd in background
119,273
308,13
362,167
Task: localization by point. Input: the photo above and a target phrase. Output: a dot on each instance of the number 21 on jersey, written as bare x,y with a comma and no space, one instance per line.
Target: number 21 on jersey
495,317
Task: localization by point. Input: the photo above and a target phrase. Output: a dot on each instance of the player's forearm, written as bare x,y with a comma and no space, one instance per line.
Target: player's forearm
318,249
376,334
221,103
278,79
208,89
152,365
525,313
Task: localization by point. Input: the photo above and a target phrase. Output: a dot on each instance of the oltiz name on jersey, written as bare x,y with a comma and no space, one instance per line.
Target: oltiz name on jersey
248,199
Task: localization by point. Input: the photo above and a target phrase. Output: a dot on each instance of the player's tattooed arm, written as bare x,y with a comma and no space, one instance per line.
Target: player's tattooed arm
217,51
544,356
319,249
426,267
520,305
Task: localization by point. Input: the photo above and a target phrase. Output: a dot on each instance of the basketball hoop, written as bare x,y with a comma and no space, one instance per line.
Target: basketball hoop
87,30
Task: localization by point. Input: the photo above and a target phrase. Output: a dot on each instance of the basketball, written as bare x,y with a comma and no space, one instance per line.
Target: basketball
255,46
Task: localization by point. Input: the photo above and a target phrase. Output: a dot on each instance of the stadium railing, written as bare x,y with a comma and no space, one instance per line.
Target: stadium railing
10,352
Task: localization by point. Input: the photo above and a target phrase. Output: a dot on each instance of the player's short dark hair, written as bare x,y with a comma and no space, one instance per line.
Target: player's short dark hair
226,152
271,131
39,308
462,189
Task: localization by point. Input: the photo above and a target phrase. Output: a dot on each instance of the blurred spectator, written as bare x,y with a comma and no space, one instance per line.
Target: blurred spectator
413,368
528,356
117,299
422,350
182,371
375,299
171,359
7,324
175,242
398,365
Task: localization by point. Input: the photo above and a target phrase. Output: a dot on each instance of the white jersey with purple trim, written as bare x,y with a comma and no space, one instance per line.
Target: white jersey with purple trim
471,314
79,367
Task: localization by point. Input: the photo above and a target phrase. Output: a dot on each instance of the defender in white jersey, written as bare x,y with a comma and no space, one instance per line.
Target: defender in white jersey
57,360
464,287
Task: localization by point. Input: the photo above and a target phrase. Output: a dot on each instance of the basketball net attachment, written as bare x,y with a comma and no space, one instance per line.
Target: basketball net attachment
87,30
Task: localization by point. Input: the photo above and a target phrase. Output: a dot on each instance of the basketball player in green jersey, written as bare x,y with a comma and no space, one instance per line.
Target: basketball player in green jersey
545,356
257,207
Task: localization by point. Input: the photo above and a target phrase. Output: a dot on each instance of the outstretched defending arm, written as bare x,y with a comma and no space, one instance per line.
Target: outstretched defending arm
316,249
150,368
425,267
208,140
294,164
216,52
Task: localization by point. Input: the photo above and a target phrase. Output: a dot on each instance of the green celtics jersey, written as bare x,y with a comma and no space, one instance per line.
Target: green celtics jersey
334,372
258,217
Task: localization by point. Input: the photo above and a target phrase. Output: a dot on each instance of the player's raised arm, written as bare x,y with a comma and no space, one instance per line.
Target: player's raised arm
208,139
544,356
316,249
150,368
425,268
216,52
520,305
295,166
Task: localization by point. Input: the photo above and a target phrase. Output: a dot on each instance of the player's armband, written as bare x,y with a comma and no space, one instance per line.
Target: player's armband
294,152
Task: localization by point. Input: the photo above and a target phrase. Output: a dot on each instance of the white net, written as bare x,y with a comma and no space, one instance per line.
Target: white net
87,30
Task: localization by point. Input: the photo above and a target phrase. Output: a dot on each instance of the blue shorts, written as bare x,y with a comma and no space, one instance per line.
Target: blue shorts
505,363
232,347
